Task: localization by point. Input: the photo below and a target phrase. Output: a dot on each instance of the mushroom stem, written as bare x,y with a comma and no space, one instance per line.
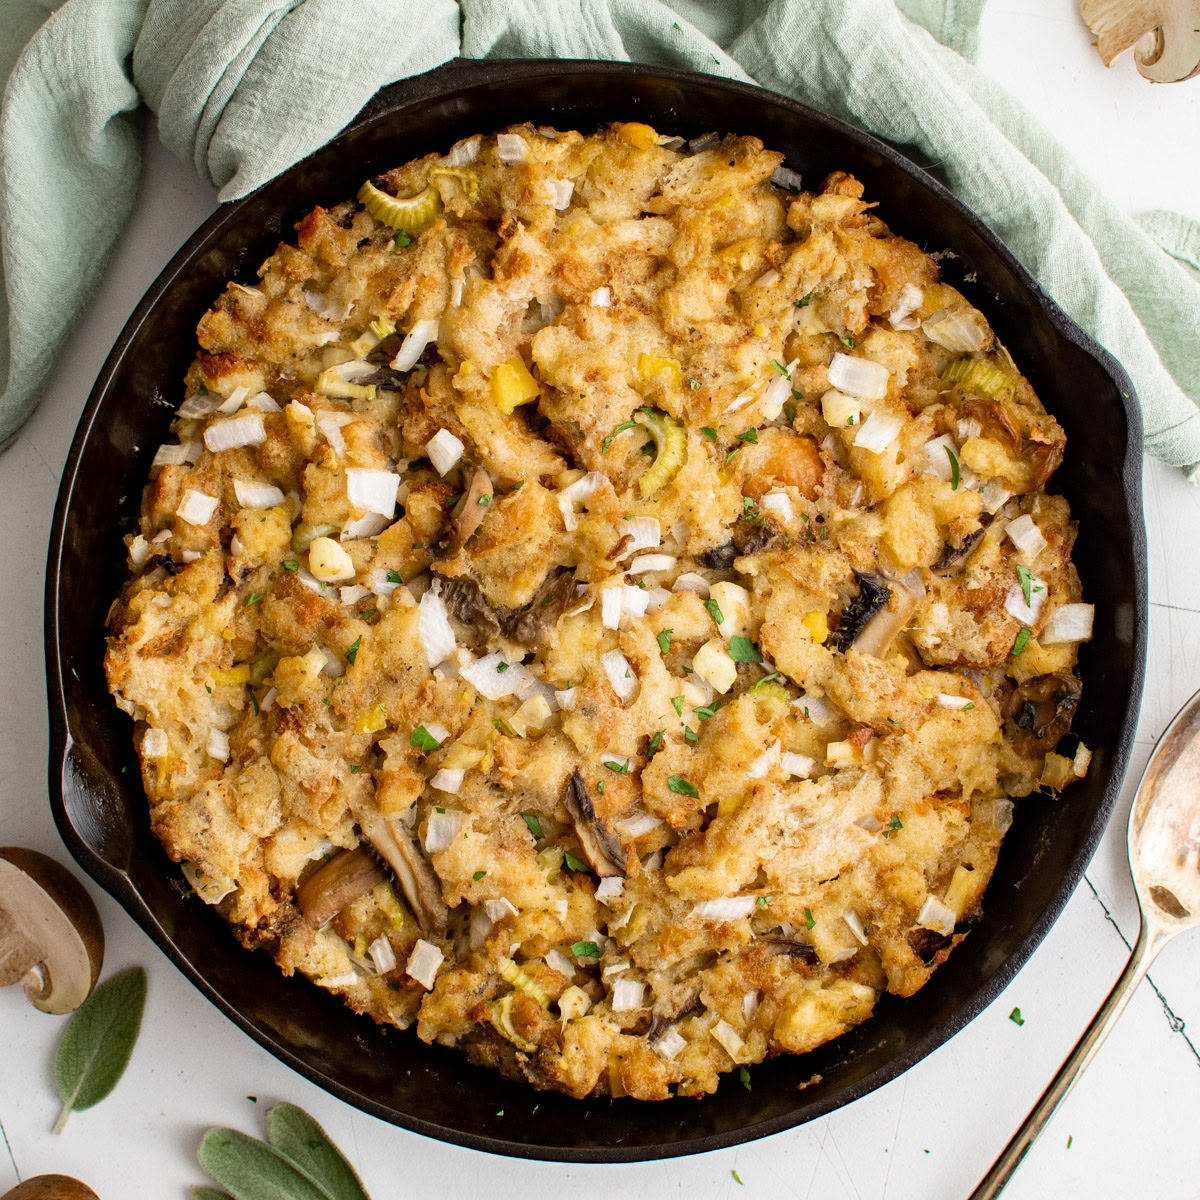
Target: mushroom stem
341,881
602,848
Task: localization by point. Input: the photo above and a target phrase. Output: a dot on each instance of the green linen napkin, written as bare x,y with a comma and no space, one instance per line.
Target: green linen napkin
244,88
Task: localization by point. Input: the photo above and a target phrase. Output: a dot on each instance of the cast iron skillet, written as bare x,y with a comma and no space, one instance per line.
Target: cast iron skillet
94,782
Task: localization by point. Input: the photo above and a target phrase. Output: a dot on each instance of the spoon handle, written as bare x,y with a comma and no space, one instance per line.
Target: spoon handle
993,1183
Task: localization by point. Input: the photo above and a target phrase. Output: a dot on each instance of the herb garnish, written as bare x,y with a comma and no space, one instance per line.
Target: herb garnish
394,577
803,302
352,653
681,786
608,441
710,433
664,640
1015,1017
423,740
478,875
809,919
655,744
748,435
955,472
533,824
254,598
1025,575
742,649
780,368
403,239
677,705
290,564
714,610
573,864
585,950
1019,645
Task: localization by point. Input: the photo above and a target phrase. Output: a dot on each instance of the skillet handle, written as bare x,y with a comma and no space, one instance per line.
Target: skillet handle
993,1183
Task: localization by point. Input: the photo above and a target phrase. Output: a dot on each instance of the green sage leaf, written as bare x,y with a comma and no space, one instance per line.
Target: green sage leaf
95,1049
251,1170
299,1137
203,1193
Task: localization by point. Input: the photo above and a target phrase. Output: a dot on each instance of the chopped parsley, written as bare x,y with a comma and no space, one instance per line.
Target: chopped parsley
600,786
655,744
291,564
418,545
503,726
729,456
789,411
690,736
744,1080
742,649
484,501
1019,645
253,699
707,710
369,613
693,382
478,875
763,901
533,824
354,770
1015,1017
714,610
423,740
394,577
403,239
710,433
585,950
501,667
677,705
573,864
848,342
765,680
955,470
1025,575
780,368
442,811
681,787
516,487
608,441
809,919
254,598
352,653
803,302
620,768
664,641
893,825
748,435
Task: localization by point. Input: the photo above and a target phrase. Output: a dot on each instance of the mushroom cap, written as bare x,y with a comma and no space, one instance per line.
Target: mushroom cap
51,1187
51,939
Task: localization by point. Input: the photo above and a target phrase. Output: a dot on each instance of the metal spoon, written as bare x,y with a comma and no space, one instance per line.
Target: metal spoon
1164,857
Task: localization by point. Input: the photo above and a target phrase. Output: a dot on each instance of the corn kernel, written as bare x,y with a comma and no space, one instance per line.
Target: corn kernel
639,135
512,385
728,804
759,329
650,365
372,721
465,367
236,676
817,625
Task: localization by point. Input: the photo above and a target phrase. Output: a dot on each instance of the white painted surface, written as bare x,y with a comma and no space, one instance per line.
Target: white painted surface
928,1135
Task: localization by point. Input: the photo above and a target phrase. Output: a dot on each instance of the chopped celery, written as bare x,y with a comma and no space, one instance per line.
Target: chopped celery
503,1024
670,443
409,213
976,374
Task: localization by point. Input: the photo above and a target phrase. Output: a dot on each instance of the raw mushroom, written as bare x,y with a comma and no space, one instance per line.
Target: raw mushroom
1042,709
1164,34
51,939
341,881
51,1187
393,843
883,608
602,848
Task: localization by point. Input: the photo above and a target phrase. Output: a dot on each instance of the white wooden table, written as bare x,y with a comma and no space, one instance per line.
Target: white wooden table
1128,1130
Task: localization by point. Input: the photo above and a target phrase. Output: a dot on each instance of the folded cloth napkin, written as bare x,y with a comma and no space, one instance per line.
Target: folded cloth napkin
244,88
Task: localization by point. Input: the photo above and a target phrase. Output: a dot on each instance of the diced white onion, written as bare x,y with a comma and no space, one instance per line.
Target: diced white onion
1014,602
246,430
382,955
235,400
365,526
615,968
163,535
646,533
946,700
610,606
423,963
1069,623
380,584
638,824
633,600
936,916
497,910
413,346
799,765
767,279
1026,535
730,1039
331,310
565,699
576,493
670,1044
464,152
691,581
713,664
218,744
750,1003
903,314
856,926
481,926
190,556
490,681
139,550
627,995
556,960
198,406
610,889
334,667
840,410
437,731
173,454
559,908
447,780
937,461
761,765
779,503
725,908
878,432
433,627
268,701
777,392
196,508
346,979
621,762
264,402
310,581
651,562
562,190
786,178
511,148
373,490
252,493
620,674
154,743
332,431
656,598
961,329
442,827
600,298
994,496
858,377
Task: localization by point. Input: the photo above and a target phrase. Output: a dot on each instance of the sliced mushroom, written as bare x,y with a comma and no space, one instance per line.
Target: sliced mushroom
387,378
393,843
1163,34
720,558
468,606
467,515
760,538
954,558
341,881
527,625
1042,709
602,847
51,939
792,947
51,1187
874,623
